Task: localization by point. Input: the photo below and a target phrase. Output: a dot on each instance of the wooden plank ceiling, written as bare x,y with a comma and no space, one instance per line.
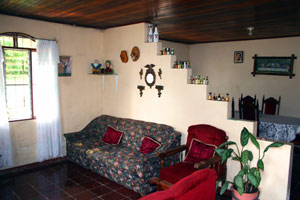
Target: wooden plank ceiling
186,21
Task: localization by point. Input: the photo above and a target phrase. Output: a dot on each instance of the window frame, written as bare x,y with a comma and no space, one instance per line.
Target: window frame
15,46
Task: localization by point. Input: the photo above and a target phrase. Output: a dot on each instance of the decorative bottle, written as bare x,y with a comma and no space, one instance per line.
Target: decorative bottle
155,34
150,34
206,80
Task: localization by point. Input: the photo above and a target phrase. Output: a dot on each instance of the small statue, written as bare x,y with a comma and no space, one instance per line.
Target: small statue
96,67
108,67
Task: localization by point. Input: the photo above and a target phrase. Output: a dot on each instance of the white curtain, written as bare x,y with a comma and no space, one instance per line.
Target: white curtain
47,101
6,159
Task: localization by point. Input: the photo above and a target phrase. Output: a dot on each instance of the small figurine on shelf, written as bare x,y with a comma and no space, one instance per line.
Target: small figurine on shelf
227,97
150,33
108,67
155,34
210,96
219,97
96,67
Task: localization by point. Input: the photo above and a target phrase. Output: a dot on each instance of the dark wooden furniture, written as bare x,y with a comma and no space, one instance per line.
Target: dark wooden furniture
248,108
172,174
270,105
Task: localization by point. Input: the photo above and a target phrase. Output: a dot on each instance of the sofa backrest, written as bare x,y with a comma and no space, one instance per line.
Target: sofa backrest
134,131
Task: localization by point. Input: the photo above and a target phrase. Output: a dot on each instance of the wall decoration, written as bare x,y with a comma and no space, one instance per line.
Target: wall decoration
64,66
238,57
123,56
282,66
141,88
159,73
150,75
159,89
97,67
135,54
141,74
108,67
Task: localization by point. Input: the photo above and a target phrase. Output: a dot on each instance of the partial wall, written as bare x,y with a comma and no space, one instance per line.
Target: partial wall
80,96
216,61
180,104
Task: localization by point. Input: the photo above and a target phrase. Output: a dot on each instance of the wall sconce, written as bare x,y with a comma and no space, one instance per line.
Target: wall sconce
159,89
141,88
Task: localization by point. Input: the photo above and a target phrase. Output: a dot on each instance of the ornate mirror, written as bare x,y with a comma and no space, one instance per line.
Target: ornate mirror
150,75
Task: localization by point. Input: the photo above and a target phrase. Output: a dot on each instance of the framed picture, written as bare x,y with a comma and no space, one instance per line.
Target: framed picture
282,66
238,57
64,66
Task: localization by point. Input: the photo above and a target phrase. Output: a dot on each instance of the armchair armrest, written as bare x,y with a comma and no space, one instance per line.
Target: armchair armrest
170,152
207,163
160,184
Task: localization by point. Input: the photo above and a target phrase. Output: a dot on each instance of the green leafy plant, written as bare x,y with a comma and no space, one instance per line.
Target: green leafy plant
248,178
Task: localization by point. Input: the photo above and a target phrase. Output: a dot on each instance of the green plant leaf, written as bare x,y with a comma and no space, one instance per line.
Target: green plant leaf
252,179
239,184
226,143
220,151
226,155
254,141
274,144
244,137
253,170
224,187
242,172
250,156
217,184
258,177
260,164
246,155
236,158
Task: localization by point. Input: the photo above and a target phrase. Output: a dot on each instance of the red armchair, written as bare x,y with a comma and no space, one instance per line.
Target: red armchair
199,185
201,141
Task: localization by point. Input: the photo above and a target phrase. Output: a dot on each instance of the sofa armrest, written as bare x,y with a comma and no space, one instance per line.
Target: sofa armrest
205,164
74,136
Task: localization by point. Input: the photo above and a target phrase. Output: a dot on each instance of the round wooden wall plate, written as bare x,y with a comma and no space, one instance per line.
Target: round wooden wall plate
135,54
123,56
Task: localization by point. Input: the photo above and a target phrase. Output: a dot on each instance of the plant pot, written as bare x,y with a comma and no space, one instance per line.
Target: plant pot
244,196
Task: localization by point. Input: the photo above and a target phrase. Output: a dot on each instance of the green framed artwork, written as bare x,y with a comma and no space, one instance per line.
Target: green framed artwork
281,66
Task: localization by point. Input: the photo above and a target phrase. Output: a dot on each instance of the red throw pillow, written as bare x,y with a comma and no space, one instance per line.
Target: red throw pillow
112,136
149,145
199,151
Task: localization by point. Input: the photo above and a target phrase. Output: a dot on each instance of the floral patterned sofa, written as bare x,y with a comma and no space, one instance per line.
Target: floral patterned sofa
122,163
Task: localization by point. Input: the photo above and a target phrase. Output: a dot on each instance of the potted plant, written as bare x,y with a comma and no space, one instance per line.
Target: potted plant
247,180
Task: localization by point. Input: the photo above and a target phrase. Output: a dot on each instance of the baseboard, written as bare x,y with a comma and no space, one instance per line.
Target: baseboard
31,166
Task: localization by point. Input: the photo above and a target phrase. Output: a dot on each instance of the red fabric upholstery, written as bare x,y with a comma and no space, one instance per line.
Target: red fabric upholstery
176,172
149,145
207,134
270,108
199,151
199,185
112,136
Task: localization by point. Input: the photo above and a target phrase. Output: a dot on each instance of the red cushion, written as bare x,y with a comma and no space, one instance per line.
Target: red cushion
149,145
207,134
199,185
199,151
176,172
112,136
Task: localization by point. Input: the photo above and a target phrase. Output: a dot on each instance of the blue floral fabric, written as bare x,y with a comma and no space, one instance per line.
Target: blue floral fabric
121,163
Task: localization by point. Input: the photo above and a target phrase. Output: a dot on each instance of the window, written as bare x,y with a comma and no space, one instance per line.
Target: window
19,53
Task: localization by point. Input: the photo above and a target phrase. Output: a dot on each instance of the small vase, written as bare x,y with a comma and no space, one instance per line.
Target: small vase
244,196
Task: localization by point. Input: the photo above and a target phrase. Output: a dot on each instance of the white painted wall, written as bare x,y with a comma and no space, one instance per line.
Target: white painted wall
216,61
80,94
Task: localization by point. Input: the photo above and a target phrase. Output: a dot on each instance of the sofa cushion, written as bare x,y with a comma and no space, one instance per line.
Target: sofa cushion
176,172
112,136
149,145
199,151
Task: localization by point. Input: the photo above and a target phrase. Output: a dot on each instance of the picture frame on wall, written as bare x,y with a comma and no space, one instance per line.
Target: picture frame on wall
64,66
271,65
238,57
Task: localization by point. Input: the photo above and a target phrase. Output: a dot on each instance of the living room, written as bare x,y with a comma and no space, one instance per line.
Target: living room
84,96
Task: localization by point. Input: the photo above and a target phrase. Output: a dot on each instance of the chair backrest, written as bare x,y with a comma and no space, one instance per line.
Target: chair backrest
248,109
270,105
207,134
248,98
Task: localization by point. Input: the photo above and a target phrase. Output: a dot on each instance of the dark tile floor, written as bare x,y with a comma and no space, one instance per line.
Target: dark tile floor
62,181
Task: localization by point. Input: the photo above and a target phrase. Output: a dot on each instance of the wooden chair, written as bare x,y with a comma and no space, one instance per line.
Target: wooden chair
204,135
270,105
248,108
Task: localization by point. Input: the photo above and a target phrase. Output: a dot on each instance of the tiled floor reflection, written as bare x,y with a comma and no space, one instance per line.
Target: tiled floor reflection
64,180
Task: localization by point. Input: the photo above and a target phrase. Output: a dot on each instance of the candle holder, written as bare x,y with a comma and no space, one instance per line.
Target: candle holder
141,88
159,89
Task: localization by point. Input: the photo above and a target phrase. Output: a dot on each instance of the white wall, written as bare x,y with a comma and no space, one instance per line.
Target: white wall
180,105
216,61
80,96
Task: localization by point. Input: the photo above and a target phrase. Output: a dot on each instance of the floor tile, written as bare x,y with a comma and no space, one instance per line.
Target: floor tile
101,190
89,184
112,196
125,192
73,190
47,189
65,183
80,179
58,195
84,196
113,185
103,180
